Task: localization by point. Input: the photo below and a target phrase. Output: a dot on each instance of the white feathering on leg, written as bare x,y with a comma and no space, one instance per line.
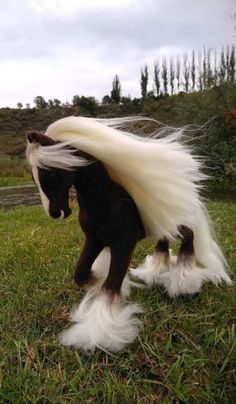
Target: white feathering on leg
102,323
100,269
153,266
188,278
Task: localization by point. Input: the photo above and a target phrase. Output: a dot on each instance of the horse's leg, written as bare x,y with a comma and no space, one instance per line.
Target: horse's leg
121,252
154,265
103,319
187,277
186,250
91,250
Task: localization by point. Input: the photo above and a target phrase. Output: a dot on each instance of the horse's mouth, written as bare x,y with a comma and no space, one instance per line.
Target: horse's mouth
60,214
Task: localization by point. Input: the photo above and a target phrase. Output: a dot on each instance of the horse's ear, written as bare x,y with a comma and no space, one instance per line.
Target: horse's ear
37,137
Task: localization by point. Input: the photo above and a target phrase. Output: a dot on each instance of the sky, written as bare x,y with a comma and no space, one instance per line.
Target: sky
60,48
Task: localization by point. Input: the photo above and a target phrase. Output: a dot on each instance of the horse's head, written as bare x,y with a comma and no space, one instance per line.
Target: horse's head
44,156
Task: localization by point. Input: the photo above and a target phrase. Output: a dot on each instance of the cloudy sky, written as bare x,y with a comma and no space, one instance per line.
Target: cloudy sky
59,48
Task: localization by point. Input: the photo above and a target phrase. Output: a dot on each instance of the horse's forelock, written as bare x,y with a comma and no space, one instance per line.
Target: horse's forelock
59,155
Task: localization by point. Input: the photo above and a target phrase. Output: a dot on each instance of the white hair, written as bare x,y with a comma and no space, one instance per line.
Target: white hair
59,155
102,323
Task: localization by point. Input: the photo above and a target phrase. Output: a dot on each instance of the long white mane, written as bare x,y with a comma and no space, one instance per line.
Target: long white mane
158,171
160,174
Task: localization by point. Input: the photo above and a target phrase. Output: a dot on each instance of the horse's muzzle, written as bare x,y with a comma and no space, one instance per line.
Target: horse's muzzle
60,214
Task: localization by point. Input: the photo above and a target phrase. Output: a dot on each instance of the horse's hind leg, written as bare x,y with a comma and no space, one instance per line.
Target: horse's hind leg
103,318
154,265
186,277
186,250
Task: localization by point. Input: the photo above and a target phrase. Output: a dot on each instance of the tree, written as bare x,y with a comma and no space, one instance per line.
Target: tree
200,80
76,100
204,69
215,78
40,102
164,75
56,103
126,100
222,69
232,64
116,90
186,72
193,71
88,104
106,99
172,76
227,64
144,82
209,70
50,104
157,77
19,105
178,69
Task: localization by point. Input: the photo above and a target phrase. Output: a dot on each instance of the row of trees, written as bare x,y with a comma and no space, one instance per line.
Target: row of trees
198,72
189,73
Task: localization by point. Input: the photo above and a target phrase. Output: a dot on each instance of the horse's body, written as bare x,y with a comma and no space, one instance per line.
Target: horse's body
110,217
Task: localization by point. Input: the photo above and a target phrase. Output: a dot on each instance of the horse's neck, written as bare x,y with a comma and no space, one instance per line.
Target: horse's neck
92,184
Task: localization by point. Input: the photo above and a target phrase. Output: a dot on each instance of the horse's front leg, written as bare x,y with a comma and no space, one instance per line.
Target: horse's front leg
91,250
104,319
121,251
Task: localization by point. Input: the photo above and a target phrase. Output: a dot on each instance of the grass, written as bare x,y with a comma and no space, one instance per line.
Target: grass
13,171
186,350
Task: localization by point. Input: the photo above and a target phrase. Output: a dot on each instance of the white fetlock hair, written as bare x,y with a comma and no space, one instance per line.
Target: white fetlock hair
166,192
152,267
100,269
188,278
102,323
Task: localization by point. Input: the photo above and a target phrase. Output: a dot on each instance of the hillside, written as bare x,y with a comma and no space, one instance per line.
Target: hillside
217,140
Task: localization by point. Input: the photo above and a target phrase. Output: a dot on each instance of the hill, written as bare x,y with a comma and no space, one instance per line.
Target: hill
217,140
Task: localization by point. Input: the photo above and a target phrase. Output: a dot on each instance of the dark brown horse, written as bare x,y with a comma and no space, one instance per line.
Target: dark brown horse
109,218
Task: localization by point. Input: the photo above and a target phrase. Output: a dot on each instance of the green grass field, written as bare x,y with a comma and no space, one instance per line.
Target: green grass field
13,171
186,350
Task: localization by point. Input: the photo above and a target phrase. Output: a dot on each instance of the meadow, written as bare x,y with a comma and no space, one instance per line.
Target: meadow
13,171
186,349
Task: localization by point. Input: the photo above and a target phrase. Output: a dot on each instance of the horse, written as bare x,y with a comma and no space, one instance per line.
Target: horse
128,187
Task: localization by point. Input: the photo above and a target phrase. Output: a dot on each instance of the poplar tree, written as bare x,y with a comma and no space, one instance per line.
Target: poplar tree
193,70
144,82
116,90
222,69
164,75
232,64
200,80
209,70
157,77
178,71
215,78
172,76
227,63
204,69
186,73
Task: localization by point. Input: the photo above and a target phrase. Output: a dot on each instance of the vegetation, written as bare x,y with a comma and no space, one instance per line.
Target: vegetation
13,171
217,140
186,351
202,89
